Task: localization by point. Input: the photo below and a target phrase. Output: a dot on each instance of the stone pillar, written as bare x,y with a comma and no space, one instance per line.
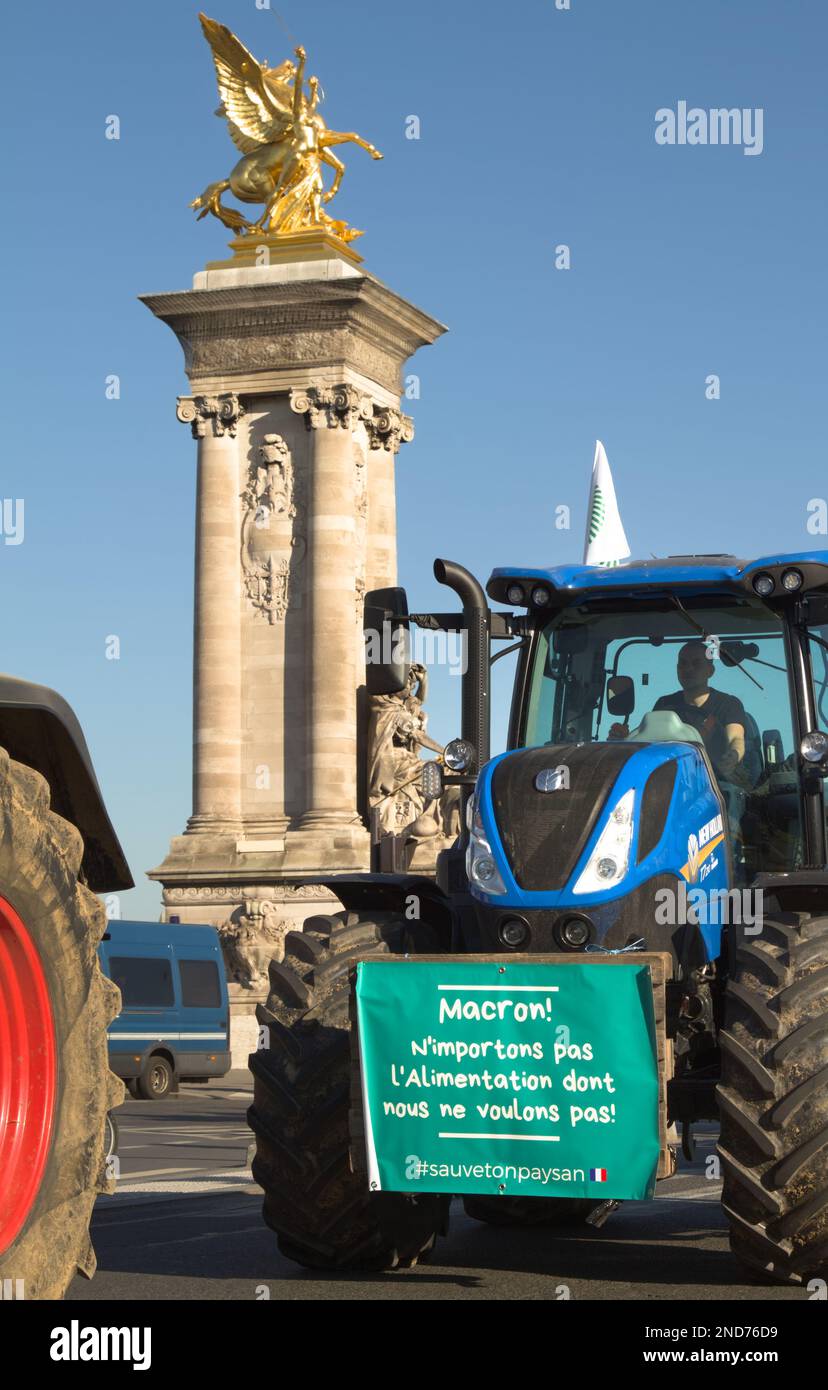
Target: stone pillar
216,653
387,431
307,359
332,415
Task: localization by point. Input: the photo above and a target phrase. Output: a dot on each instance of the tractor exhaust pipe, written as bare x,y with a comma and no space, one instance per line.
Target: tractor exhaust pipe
477,623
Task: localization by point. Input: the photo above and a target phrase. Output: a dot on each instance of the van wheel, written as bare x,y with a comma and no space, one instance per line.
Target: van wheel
111,1136
155,1081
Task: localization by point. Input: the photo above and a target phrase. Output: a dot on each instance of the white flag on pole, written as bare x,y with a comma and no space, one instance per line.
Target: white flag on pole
606,542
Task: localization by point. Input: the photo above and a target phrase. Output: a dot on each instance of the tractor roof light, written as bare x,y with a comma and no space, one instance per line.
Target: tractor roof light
540,596
515,594
608,862
763,584
792,580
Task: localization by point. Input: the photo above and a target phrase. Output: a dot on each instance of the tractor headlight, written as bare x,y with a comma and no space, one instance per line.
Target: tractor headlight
431,782
764,584
814,748
480,864
608,862
515,594
514,932
573,933
792,580
458,755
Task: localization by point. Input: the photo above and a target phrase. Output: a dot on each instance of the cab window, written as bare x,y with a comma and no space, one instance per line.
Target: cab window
591,651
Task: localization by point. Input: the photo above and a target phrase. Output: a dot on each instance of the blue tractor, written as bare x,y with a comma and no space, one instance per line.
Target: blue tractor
663,790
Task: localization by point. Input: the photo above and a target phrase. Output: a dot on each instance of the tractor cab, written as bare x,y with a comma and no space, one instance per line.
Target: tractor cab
728,657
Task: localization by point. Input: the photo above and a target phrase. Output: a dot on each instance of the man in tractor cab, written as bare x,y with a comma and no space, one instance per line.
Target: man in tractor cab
719,718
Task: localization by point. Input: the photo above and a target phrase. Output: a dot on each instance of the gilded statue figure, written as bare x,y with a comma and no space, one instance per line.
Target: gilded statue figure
274,120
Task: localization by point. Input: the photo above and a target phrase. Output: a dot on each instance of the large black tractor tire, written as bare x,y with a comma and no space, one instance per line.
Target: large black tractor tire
323,1213
527,1212
773,1100
50,926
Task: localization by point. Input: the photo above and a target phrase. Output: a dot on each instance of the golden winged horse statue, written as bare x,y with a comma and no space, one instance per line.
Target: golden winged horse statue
284,142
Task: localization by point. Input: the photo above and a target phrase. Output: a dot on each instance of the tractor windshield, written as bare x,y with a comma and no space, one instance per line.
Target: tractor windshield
710,669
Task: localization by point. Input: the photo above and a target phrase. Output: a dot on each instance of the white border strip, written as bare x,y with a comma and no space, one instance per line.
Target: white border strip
527,1138
527,989
117,1036
374,1183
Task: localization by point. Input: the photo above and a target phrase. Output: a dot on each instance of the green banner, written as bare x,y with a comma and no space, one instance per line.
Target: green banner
522,1078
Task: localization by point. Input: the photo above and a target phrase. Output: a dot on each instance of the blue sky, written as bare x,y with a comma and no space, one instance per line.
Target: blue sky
537,129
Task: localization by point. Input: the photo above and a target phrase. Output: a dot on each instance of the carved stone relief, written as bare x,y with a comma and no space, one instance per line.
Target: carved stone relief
269,510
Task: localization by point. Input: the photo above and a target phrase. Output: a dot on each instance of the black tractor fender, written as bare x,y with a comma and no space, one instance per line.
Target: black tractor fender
39,729
413,896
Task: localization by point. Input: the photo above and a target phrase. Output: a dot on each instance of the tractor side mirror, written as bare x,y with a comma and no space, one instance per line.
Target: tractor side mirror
387,641
621,696
734,653
772,751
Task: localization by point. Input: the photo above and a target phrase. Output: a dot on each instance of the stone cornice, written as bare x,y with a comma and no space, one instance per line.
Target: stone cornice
354,322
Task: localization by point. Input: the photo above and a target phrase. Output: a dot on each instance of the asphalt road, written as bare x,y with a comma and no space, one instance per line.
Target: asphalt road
185,1223
196,1141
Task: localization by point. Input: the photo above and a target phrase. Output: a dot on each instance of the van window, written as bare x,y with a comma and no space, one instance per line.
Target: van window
199,984
145,983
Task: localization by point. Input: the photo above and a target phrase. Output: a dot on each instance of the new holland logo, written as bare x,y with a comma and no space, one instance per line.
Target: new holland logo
701,846
552,779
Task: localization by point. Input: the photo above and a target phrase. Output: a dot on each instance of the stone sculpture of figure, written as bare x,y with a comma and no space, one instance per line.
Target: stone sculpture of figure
397,734
251,938
267,496
276,487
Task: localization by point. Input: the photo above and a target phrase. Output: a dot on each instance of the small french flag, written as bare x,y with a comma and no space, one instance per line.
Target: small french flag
597,1174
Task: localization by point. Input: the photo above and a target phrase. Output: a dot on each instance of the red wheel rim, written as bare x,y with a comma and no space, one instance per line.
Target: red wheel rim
28,1074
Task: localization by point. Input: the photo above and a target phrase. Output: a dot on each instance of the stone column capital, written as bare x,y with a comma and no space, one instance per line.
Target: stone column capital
331,407
389,428
216,415
343,407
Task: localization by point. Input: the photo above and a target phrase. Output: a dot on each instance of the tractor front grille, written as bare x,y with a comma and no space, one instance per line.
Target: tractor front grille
544,833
